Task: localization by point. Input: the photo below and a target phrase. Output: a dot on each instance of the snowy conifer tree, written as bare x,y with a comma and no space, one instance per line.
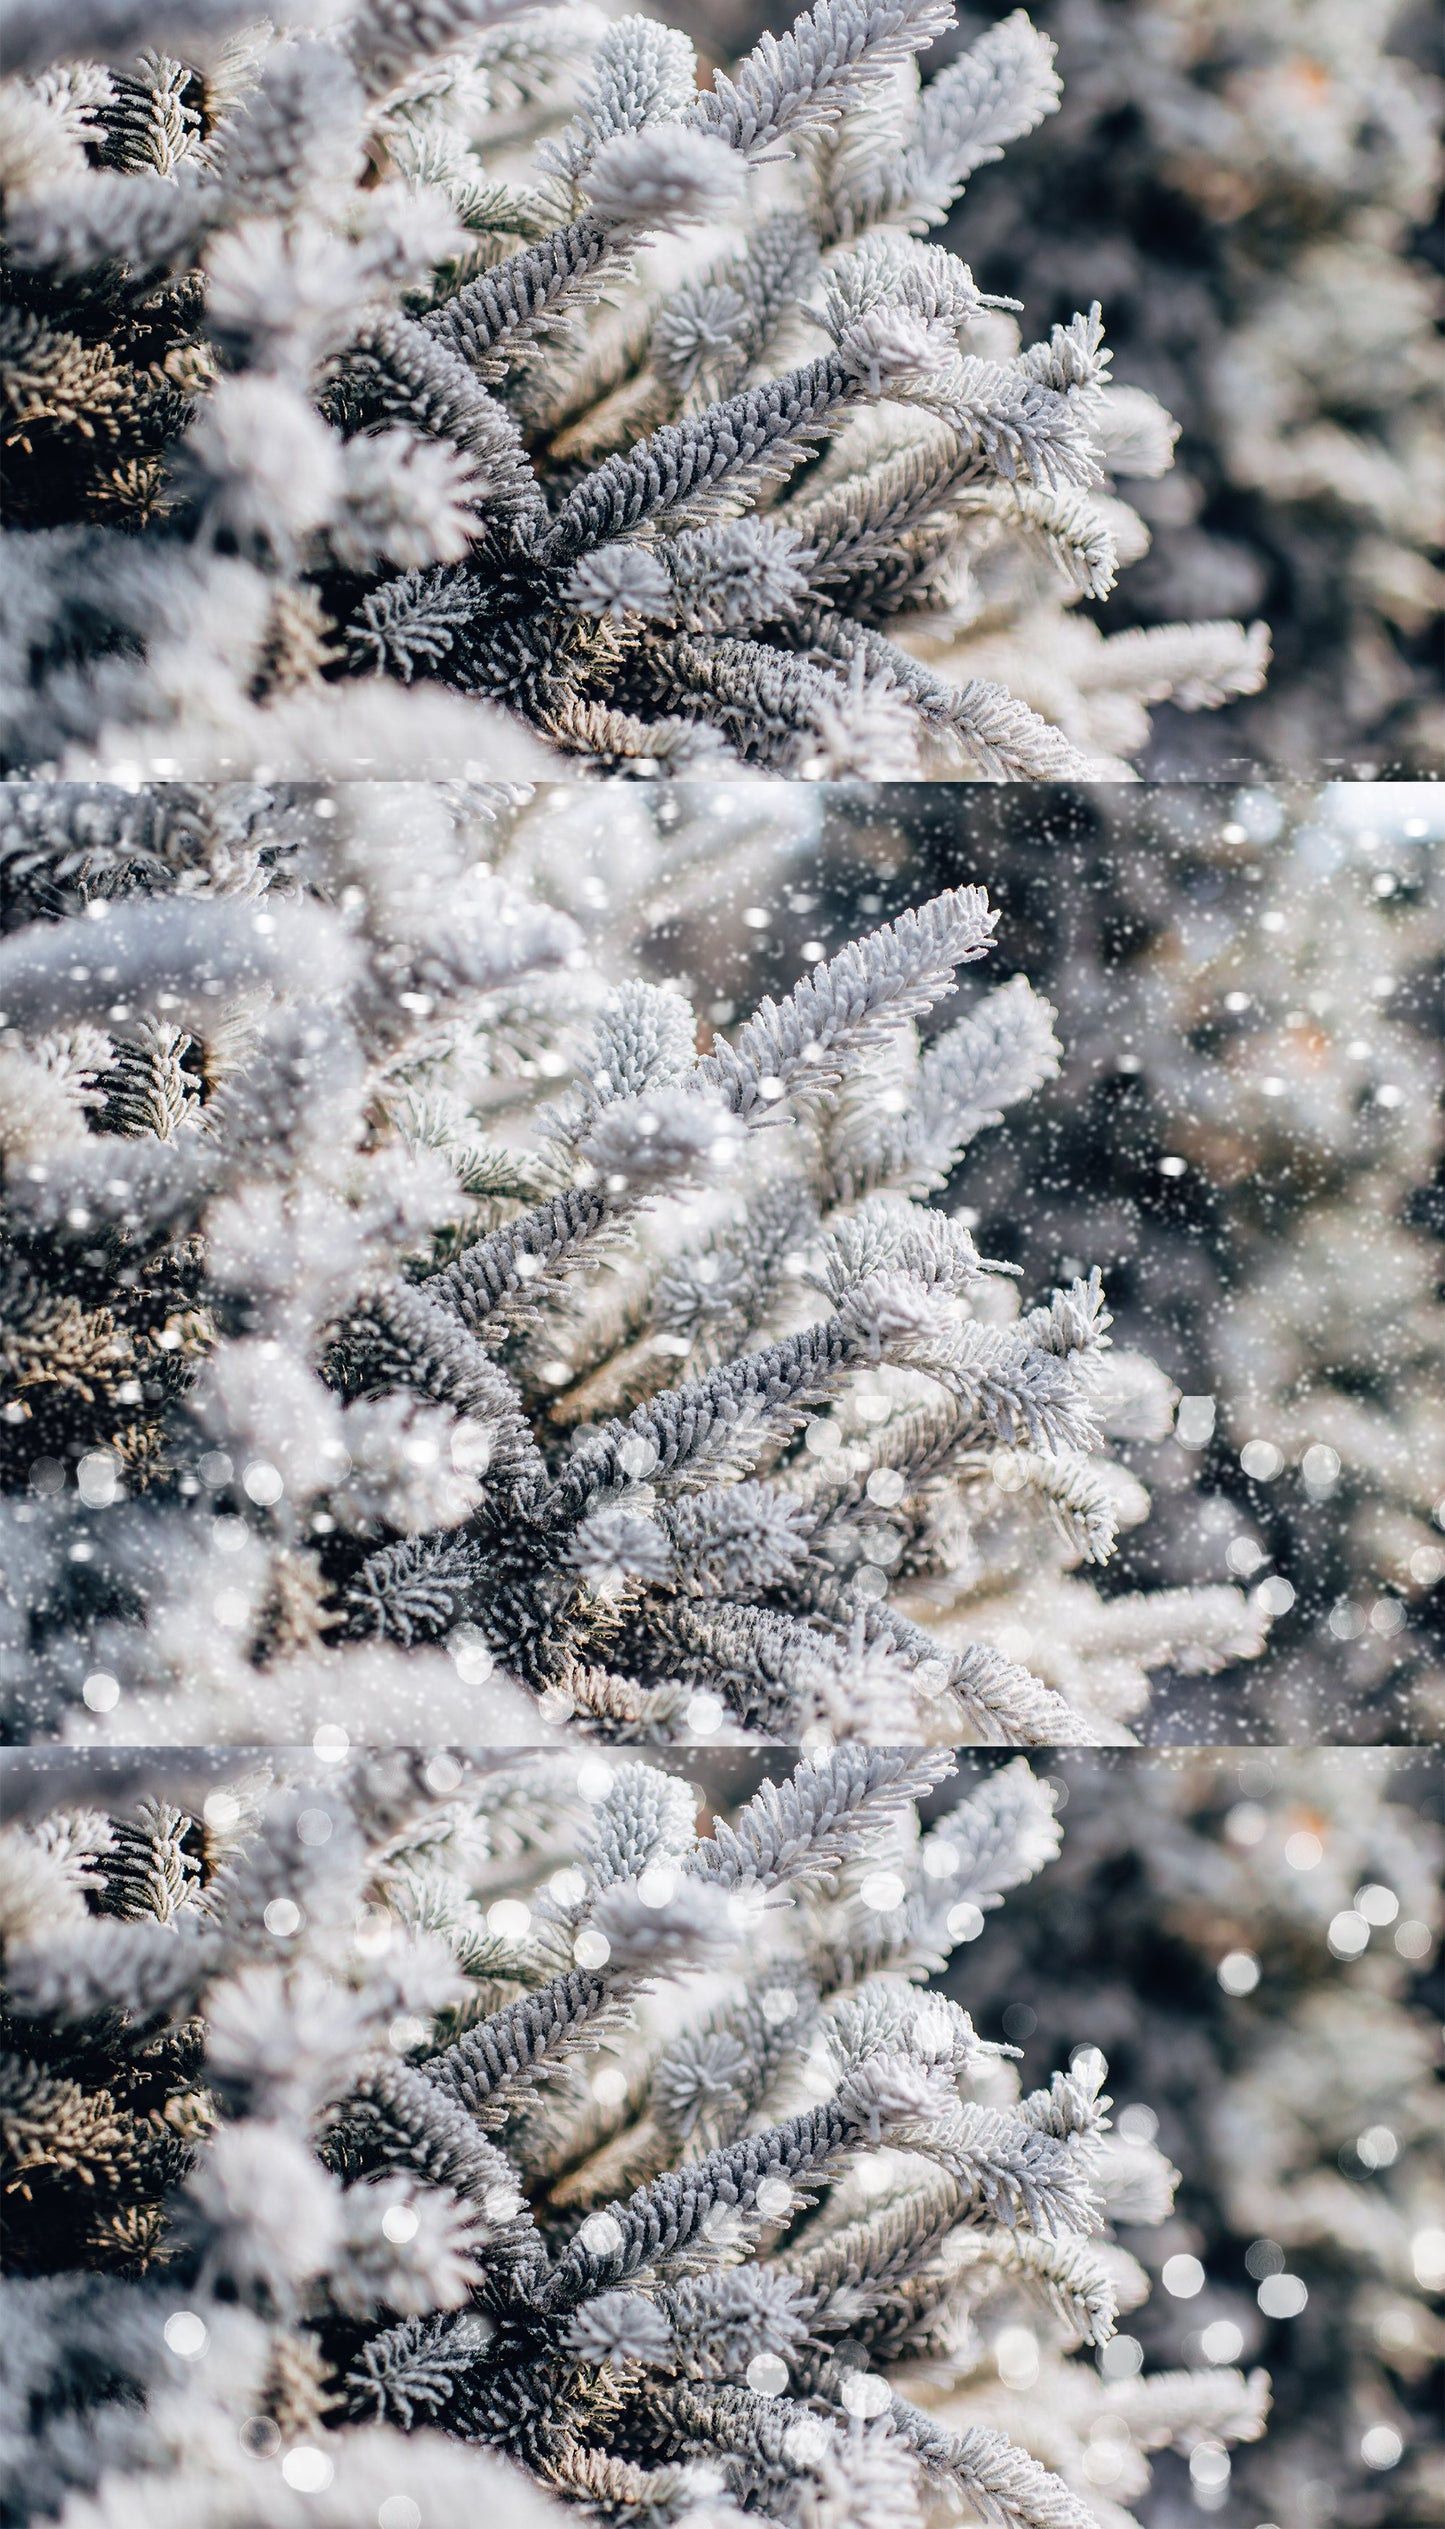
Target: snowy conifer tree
1245,1132
1250,185
666,1398
1256,1934
476,351
415,2130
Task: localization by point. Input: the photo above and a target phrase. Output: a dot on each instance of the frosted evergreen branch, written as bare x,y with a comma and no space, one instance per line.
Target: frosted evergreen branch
260,291
846,1007
803,80
805,1829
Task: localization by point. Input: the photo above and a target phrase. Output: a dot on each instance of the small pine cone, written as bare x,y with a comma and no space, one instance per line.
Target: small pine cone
297,644
296,2396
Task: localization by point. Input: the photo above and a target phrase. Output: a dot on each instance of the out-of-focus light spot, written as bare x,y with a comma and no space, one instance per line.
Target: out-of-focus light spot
774,2199
1381,2447
441,1774
1427,2255
1427,1566
812,950
756,917
767,2375
1183,2277
1107,2450
1019,2022
1209,2474
186,2334
779,2005
1221,2341
591,1949
965,1921
637,1457
1378,1905
1261,1461
470,1655
1275,1595
1282,2296
885,1486
399,2224
657,1886
1413,1940
822,1437
281,1918
509,1919
609,2086
221,1810
407,2030
704,1715
398,2512
1320,1466
1016,2351
1387,1616
313,1827
1345,1621
375,1932
1247,1823
1172,1166
1303,1850
1238,1971
1349,1934
101,1691
940,1858
96,1478
1377,2147
883,1891
866,2395
1122,2358
567,1887
1263,2257
601,2234
1194,1421
594,1778
259,2437
330,1743
1136,2124
307,2470
263,1482
1244,1555
1236,1001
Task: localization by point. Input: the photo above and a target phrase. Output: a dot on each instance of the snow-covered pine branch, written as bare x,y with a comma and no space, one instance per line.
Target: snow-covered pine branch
257,2239
425,383
404,1317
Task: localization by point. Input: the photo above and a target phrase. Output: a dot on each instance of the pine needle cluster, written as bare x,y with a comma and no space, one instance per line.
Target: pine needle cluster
474,351
449,2135
415,1319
